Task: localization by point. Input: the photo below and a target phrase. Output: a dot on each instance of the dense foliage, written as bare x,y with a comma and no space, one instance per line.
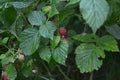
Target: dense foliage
59,39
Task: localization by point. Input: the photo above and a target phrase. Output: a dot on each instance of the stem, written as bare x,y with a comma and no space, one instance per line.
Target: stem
6,47
47,69
44,78
85,28
36,6
23,16
66,77
25,21
91,76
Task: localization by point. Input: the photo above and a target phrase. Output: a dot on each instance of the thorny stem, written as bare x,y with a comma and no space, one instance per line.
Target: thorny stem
66,77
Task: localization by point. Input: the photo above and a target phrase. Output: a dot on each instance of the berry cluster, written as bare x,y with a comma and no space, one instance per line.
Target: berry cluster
4,75
62,32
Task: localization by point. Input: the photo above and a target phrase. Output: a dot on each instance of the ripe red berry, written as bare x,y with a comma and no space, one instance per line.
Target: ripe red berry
4,76
66,40
62,31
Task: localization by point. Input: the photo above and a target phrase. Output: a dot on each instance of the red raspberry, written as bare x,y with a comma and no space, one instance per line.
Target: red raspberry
4,76
62,31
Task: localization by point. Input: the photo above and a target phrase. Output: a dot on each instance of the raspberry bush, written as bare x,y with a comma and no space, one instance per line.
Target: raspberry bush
59,39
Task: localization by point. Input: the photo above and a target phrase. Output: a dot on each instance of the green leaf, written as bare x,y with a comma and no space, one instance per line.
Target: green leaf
60,53
91,11
2,1
30,39
84,38
63,15
55,41
114,13
20,5
13,29
36,18
6,60
29,63
45,54
2,56
107,43
55,1
87,57
11,72
46,9
114,30
47,30
2,31
5,40
53,11
9,16
73,2
16,27
27,71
